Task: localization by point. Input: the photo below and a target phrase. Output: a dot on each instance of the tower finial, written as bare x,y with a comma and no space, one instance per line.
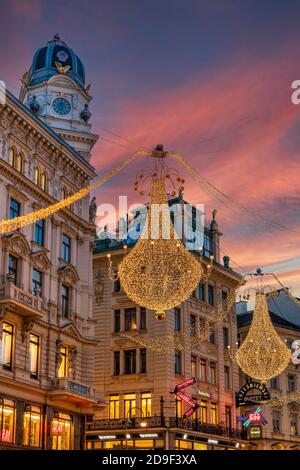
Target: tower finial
56,37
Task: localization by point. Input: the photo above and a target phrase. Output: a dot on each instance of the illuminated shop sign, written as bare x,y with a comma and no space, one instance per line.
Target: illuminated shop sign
253,417
178,392
148,435
107,437
212,441
252,392
254,432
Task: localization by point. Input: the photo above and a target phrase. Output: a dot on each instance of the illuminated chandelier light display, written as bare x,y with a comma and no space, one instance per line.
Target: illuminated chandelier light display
159,272
262,355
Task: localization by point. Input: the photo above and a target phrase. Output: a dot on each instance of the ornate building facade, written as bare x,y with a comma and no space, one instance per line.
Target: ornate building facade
137,384
282,428
46,330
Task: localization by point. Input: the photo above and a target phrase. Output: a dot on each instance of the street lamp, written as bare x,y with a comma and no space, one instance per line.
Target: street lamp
143,424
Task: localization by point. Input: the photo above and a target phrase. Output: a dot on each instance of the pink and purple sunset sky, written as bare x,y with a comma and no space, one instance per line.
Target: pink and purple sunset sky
209,79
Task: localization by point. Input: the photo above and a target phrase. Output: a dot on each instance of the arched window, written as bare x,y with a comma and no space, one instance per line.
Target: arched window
20,162
37,175
12,156
44,181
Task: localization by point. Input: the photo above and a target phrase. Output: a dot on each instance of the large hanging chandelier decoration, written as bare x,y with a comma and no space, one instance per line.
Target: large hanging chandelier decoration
159,272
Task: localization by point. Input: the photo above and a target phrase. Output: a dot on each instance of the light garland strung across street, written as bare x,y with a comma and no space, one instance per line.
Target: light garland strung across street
11,225
159,272
262,355
279,402
181,341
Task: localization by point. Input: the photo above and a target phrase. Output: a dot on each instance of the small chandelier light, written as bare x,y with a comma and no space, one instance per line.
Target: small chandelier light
262,355
159,272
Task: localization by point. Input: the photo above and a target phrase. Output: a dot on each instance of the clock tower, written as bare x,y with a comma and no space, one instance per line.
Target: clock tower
54,90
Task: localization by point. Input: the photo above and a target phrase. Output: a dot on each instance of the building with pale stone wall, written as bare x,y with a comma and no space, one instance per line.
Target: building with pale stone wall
47,330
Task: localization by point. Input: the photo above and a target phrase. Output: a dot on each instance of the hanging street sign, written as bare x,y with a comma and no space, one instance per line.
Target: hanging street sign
252,392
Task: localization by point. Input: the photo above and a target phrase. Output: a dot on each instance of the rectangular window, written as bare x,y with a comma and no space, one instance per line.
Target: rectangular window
275,383
213,413
212,338
203,411
14,209
143,325
225,338
177,362
193,366
207,246
39,232
7,420
294,425
66,248
63,368
146,404
201,292
227,377
130,319
116,362
36,282
192,325
130,361
7,345
179,407
202,370
65,297
117,285
291,383
32,426
177,319
210,295
61,431
143,361
276,421
114,407
213,373
129,405
117,326
224,296
34,344
228,420
13,268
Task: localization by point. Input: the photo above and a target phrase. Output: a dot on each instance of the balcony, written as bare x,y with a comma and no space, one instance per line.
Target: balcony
68,389
19,301
102,424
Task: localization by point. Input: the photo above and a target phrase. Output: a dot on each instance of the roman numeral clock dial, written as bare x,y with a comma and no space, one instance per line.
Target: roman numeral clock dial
61,106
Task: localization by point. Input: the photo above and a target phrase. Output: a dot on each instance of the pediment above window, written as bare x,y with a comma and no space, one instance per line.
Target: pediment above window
17,244
40,260
68,274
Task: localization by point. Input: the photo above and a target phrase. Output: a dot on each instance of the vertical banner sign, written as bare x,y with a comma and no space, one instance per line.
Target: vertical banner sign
178,392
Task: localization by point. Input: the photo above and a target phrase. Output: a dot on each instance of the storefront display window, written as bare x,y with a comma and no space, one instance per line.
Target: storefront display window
32,426
7,420
61,432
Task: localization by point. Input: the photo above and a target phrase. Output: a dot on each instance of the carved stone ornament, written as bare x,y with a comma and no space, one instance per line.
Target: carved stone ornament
58,356
27,325
18,244
72,360
98,287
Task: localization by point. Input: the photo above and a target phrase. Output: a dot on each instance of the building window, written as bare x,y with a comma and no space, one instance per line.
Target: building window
44,180
39,232
228,416
291,383
212,338
210,295
37,175
130,361
114,407
65,297
203,411
117,326
66,248
117,285
179,408
63,368
289,343
36,282
193,366
116,362
213,373
177,319
225,337
201,292
14,208
143,324
207,246
213,413
177,362
276,421
143,361
227,377
20,163
7,420
7,345
294,425
202,370
34,345
129,405
192,325
275,383
61,432
146,404
32,426
13,268
130,319
224,296
12,156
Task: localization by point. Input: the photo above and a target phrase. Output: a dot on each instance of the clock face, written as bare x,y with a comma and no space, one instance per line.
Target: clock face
61,106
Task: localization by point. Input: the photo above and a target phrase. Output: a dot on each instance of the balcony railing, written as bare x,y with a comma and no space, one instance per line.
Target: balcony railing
75,388
25,303
157,421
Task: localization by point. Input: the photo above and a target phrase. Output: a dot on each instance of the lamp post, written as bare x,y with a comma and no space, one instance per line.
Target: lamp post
143,423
